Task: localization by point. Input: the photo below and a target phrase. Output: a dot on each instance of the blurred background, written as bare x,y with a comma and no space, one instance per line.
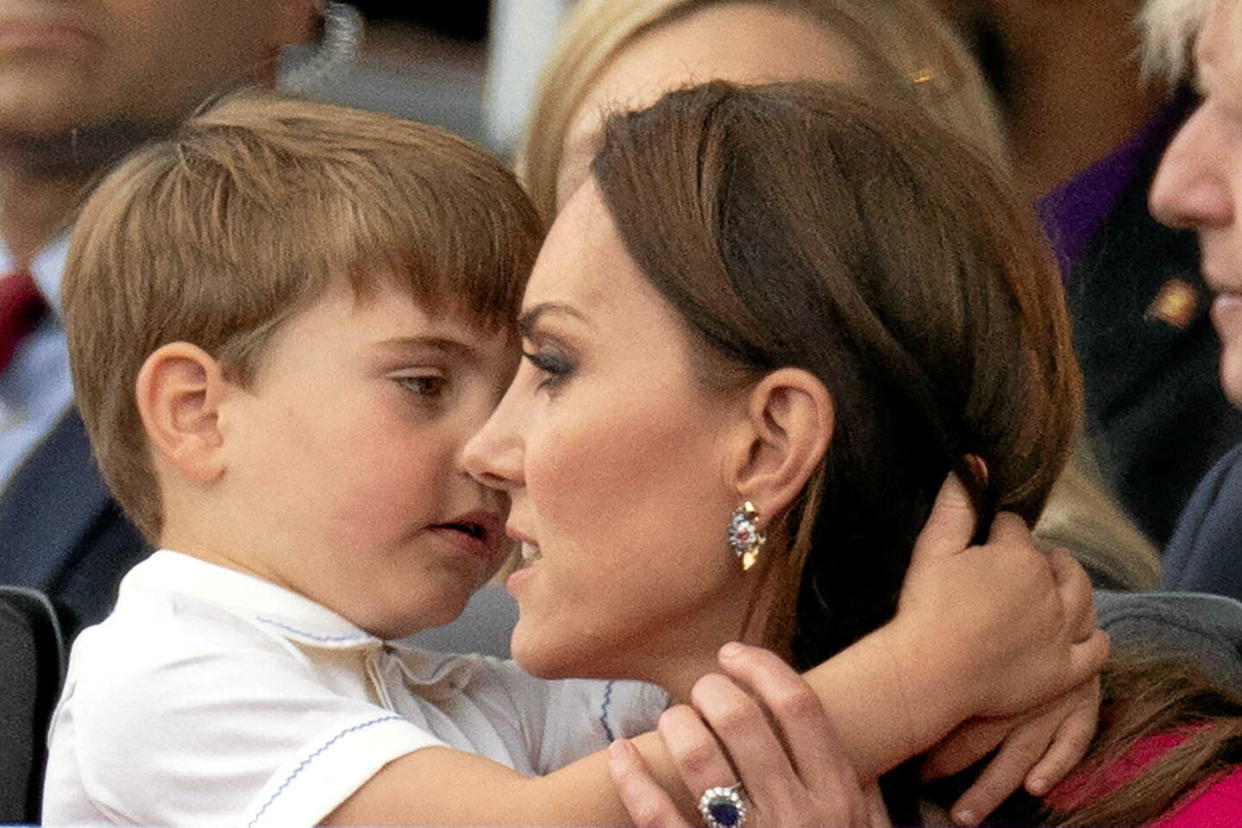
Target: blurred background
468,65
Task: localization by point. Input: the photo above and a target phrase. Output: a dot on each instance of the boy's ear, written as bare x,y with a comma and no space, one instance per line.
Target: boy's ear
789,423
179,389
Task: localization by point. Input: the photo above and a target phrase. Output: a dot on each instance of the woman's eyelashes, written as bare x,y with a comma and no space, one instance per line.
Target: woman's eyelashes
555,368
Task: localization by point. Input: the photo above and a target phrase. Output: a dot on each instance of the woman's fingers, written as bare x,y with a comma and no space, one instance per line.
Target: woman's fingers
695,751
781,741
811,741
647,803
744,730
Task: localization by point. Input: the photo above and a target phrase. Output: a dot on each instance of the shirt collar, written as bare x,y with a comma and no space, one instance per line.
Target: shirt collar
279,610
287,614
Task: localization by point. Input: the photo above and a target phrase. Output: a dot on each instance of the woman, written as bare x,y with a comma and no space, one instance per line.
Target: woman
787,312
626,53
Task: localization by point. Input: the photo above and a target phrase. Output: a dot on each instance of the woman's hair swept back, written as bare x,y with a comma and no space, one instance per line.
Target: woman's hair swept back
802,226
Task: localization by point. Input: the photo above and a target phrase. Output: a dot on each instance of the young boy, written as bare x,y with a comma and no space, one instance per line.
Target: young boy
285,321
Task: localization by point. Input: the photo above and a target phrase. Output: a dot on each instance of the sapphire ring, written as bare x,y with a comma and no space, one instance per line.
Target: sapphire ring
723,807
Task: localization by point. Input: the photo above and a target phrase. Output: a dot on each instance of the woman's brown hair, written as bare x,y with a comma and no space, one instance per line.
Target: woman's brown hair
801,226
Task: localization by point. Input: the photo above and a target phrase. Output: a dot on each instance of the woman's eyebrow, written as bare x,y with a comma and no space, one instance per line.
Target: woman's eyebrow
528,320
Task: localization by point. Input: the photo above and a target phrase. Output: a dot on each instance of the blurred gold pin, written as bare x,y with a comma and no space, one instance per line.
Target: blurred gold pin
1175,304
923,76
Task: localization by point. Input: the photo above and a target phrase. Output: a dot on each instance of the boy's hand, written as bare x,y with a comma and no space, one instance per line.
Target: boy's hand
1036,751
1002,624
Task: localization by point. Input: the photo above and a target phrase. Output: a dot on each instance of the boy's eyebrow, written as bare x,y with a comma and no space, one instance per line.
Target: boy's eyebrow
442,344
528,320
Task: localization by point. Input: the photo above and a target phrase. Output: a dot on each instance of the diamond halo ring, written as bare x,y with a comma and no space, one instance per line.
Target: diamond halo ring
723,807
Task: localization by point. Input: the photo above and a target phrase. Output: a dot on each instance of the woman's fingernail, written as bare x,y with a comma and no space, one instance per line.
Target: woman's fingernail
1038,787
731,650
616,750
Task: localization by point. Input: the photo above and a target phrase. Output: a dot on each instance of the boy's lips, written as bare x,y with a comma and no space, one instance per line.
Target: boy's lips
479,533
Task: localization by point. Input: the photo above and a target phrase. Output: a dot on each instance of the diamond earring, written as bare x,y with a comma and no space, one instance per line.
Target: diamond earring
744,536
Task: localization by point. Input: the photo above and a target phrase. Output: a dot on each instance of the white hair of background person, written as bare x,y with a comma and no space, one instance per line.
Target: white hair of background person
1169,28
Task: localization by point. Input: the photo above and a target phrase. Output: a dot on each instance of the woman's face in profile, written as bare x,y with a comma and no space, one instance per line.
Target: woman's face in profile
616,463
739,42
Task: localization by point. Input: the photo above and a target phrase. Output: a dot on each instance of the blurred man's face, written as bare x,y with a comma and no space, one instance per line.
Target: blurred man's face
87,64
1199,183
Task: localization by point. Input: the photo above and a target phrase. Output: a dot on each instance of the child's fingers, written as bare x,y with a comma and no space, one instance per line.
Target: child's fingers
695,751
1087,658
1070,743
951,524
648,805
1021,750
812,743
964,746
1077,596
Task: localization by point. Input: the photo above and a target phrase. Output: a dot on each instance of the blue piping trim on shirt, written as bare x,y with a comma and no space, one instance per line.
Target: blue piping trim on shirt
314,636
302,765
603,712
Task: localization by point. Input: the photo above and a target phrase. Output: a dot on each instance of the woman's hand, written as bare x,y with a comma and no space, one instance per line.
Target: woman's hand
758,724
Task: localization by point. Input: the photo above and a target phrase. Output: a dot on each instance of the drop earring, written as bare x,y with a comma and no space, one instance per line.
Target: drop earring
745,538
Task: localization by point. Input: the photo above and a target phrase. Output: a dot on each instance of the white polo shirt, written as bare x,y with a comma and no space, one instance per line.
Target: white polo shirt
211,696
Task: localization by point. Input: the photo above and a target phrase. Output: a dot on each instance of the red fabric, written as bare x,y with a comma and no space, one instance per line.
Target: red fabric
21,308
1215,804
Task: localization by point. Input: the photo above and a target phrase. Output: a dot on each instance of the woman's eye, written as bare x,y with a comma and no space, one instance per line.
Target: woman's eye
423,385
554,367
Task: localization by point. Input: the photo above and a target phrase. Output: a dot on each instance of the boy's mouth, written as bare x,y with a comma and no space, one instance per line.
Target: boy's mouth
479,531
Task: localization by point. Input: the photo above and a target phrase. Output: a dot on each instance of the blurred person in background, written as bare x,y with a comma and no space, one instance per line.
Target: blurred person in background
81,83
1087,128
1199,187
626,53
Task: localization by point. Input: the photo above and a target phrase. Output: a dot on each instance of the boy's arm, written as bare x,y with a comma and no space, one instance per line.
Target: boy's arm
979,631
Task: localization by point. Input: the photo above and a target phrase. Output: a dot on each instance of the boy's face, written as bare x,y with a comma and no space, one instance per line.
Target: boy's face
344,466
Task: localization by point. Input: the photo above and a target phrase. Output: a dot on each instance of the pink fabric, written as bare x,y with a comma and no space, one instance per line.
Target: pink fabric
1215,804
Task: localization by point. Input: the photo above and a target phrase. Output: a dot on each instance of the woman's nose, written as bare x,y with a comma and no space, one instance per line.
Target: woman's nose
493,456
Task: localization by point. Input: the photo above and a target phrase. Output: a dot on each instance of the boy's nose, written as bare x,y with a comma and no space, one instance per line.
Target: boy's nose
1191,186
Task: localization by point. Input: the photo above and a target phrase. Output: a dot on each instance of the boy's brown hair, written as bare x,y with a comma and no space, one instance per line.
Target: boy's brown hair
221,232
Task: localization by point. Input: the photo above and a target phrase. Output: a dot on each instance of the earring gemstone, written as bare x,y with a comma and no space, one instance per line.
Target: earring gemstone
744,536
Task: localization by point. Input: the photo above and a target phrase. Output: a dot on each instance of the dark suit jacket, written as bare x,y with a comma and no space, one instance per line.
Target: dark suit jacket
60,531
1155,412
1205,554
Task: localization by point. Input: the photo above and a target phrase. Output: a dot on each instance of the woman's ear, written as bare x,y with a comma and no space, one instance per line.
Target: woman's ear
179,389
790,421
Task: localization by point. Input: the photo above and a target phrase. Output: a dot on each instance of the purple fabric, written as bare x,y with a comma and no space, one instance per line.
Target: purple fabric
1072,213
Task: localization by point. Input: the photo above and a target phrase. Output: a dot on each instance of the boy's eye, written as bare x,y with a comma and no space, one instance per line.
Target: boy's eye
423,385
555,368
